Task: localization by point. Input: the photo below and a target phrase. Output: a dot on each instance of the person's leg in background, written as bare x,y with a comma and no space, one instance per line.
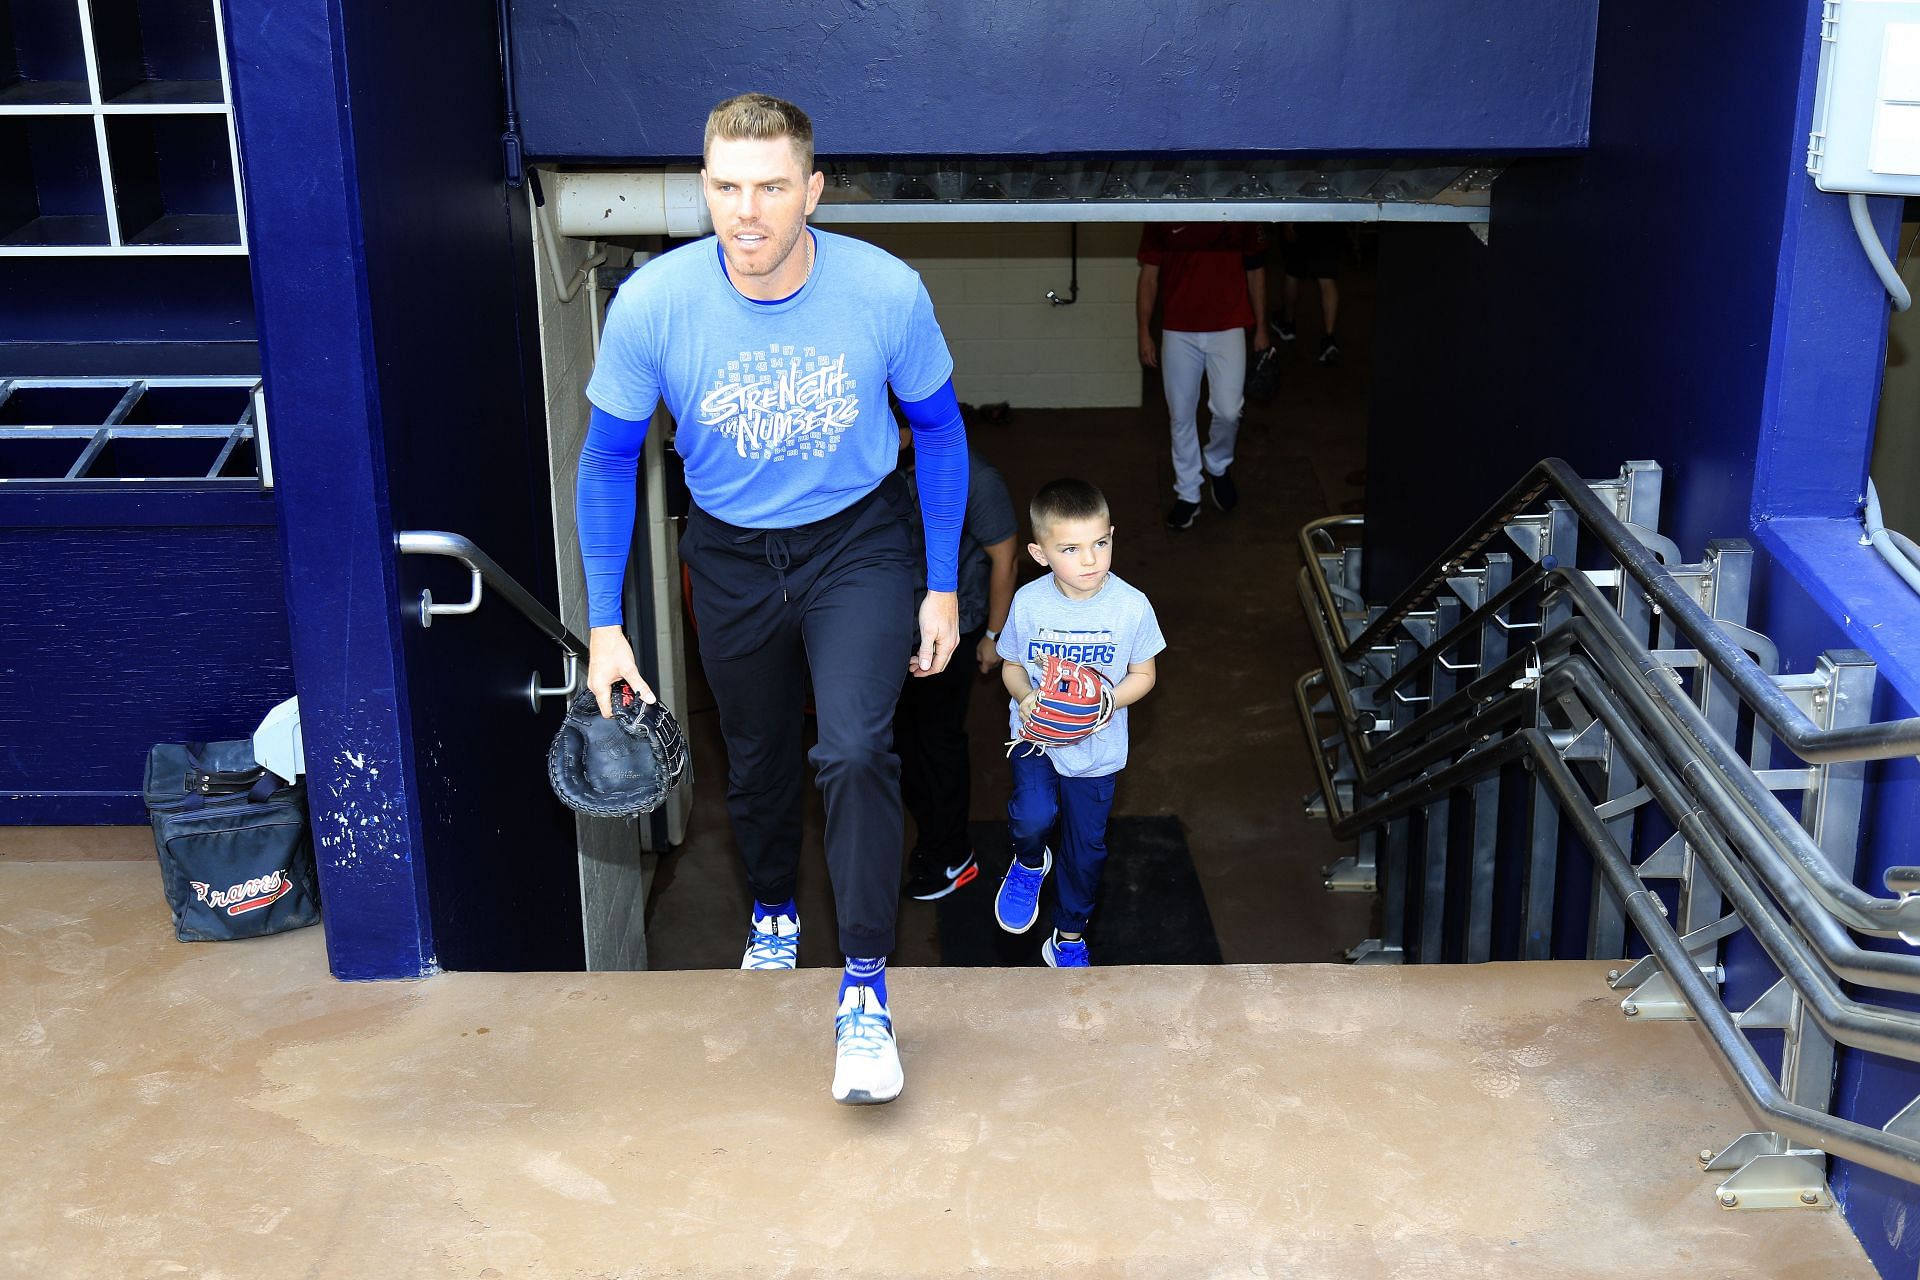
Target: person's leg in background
1283,319
1182,362
1330,313
930,736
1085,804
1226,359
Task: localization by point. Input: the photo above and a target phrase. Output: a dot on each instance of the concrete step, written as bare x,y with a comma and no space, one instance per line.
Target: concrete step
228,1109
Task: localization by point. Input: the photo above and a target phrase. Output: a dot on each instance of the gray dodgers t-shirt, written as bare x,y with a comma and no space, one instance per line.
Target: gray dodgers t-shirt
1113,628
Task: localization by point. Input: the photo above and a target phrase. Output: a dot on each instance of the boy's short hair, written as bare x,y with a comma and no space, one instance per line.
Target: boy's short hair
1065,499
760,116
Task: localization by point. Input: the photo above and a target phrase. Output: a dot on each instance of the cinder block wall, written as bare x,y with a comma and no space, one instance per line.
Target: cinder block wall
989,285
1896,435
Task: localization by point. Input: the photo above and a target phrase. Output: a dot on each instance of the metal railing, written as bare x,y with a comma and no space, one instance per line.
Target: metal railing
1578,677
485,573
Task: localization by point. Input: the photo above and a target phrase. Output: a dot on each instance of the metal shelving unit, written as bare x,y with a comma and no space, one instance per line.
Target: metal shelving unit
200,433
116,130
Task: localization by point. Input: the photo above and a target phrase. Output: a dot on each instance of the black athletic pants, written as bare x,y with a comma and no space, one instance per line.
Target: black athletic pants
930,735
834,598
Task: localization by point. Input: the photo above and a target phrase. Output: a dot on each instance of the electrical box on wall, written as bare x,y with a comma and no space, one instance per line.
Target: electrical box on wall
1866,109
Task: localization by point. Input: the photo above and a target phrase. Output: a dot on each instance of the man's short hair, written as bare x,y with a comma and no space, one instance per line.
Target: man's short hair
1065,499
759,116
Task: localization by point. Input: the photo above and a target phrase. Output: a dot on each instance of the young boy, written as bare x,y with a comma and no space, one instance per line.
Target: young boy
1061,797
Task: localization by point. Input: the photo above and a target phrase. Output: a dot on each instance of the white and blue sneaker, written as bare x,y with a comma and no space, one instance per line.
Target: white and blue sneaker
1017,905
1062,954
866,1061
773,942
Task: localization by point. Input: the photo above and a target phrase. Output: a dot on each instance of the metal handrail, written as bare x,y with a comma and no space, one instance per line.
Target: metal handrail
486,573
1602,633
1881,740
1885,1031
1594,660
1759,859
1723,778
428,542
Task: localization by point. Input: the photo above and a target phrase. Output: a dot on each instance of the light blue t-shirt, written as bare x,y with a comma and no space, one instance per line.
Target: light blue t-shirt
1109,630
782,406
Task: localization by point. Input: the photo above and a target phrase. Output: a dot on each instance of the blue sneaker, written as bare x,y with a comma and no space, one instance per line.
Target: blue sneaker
1060,954
773,942
1017,905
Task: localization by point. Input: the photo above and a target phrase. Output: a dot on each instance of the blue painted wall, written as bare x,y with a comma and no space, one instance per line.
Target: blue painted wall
120,317
1020,77
131,618
1630,295
391,282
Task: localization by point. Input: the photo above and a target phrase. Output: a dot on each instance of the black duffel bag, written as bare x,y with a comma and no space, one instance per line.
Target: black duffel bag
236,854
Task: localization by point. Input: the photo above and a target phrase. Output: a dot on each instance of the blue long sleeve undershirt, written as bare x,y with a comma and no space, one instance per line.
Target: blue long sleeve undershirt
605,498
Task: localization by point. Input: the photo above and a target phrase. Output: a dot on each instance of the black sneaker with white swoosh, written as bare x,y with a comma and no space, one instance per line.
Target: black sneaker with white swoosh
931,878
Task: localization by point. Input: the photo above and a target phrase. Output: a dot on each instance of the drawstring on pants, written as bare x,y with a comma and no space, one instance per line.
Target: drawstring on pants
778,560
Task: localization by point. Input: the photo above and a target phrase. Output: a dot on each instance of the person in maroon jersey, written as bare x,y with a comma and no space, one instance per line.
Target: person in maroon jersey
1210,282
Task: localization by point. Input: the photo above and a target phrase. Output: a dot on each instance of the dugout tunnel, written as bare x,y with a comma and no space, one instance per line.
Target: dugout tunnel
1404,131
1595,239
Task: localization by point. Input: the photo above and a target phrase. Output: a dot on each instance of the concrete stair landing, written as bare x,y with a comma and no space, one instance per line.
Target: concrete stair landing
231,1111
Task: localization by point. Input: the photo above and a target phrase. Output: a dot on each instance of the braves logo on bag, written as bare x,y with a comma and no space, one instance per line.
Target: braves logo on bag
251,895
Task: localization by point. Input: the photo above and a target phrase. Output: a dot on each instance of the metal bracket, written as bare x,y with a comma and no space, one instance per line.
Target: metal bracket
1702,944
1529,534
1791,1179
1590,743
1374,951
1742,1149
1773,1011
429,610
1907,1123
1471,586
1348,875
537,691
1668,862
1656,1000
1622,804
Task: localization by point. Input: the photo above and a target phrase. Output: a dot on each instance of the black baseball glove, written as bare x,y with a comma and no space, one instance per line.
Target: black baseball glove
1263,376
620,767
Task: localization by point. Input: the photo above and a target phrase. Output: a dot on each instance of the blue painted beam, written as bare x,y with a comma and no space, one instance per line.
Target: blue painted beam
394,283
599,80
1827,355
329,465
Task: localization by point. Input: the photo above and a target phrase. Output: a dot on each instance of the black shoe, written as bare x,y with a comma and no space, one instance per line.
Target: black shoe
1181,515
1329,350
930,879
1282,329
1226,494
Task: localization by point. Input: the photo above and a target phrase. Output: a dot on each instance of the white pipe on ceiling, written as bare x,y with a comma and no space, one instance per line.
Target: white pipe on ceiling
602,205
